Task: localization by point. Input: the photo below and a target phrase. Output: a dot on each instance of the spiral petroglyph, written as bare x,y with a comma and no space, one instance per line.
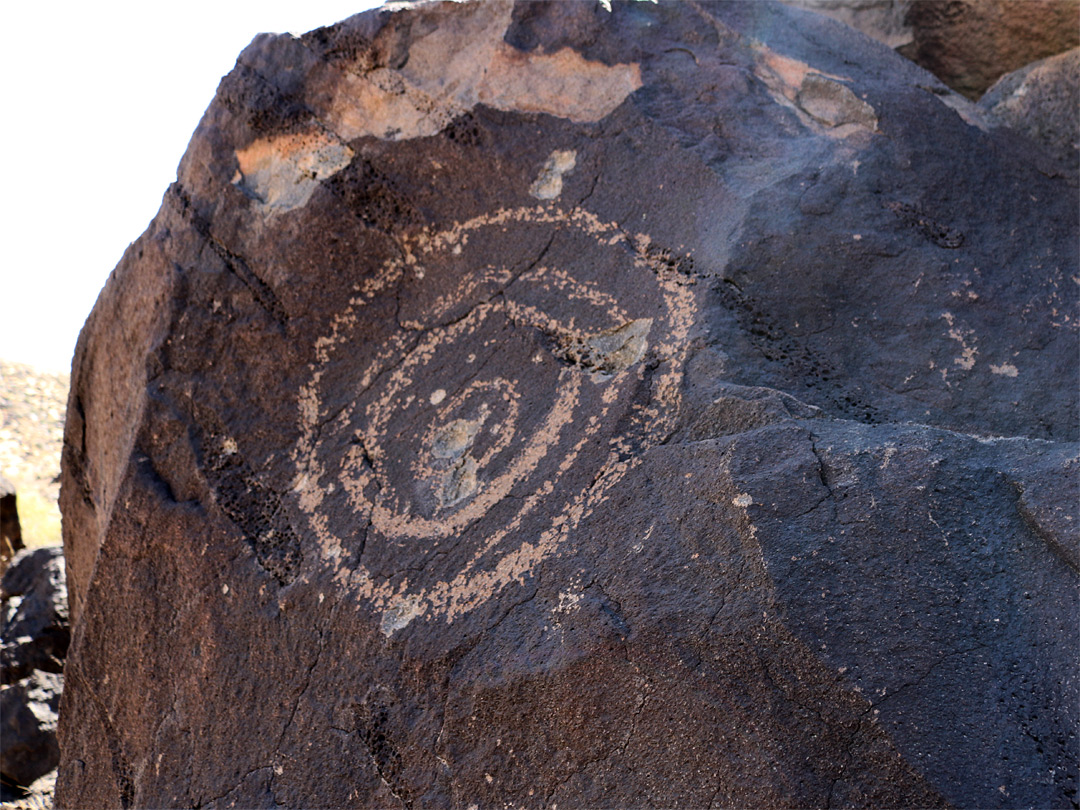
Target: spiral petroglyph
481,430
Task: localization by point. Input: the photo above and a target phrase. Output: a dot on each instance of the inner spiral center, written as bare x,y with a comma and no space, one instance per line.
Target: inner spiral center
450,447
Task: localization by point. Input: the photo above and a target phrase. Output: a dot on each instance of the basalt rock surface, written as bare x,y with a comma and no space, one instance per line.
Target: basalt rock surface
34,632
539,404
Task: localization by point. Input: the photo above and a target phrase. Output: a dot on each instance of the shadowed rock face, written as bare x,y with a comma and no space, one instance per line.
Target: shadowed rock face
10,529
536,403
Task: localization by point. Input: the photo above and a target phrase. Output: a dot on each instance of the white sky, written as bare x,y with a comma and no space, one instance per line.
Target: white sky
100,99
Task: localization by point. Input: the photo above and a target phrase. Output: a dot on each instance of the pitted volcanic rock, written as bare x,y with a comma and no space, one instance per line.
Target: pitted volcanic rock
535,403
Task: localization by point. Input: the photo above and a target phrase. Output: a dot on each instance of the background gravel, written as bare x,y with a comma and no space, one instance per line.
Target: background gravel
32,407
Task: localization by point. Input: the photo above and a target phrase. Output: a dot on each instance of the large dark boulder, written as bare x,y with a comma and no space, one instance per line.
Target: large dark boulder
538,404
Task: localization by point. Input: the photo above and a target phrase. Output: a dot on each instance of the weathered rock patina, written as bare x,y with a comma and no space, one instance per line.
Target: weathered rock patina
533,404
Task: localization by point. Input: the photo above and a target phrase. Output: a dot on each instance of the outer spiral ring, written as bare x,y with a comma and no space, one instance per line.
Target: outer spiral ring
375,501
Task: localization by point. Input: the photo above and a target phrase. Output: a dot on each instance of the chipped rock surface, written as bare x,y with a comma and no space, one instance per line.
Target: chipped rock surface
534,403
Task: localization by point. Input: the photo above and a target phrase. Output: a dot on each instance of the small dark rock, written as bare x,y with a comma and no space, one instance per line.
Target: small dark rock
10,530
35,629
33,645
28,708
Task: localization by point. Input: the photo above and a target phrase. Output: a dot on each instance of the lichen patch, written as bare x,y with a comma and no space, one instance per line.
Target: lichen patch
453,68
610,351
823,101
459,482
399,615
833,103
548,184
281,173
454,439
